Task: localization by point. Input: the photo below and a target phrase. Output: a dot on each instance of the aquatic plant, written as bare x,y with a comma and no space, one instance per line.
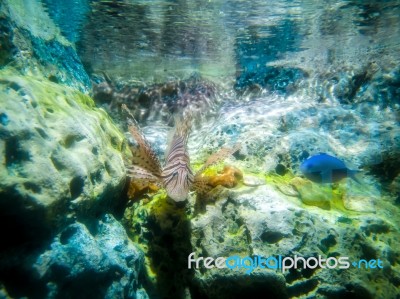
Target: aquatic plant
229,177
176,176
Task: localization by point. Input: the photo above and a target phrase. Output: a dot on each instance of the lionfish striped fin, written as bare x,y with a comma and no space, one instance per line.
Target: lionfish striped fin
142,155
177,175
139,173
217,157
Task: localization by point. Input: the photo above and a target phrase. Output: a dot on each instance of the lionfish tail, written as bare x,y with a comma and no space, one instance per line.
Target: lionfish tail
142,155
217,157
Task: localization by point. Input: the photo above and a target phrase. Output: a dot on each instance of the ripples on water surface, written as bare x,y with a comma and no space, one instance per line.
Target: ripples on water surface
153,39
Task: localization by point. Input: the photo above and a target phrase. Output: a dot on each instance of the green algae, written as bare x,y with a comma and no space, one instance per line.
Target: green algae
275,179
326,197
162,230
54,102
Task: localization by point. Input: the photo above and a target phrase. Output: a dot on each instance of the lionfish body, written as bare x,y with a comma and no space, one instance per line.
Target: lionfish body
176,176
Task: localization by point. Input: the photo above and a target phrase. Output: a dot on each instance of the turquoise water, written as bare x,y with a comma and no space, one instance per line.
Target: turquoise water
221,38
100,201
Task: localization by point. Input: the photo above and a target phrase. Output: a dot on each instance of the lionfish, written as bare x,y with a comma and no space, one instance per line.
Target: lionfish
176,176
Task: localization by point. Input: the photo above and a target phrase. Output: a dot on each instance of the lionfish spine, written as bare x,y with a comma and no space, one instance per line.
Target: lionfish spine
142,155
217,157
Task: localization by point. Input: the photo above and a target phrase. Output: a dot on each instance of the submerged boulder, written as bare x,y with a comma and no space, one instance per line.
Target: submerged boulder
94,261
61,169
262,221
60,160
60,155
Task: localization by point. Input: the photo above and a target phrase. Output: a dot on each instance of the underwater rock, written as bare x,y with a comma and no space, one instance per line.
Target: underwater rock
35,46
395,187
385,88
361,198
252,181
278,134
7,50
60,158
370,84
312,194
359,203
372,226
262,221
228,284
96,261
3,292
287,217
225,229
387,168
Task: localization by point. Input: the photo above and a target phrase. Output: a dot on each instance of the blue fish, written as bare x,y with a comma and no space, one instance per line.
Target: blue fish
325,169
